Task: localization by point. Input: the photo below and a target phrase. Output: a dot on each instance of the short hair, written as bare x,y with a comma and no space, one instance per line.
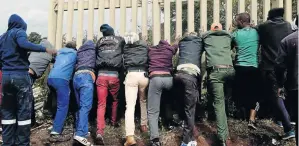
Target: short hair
275,12
245,17
71,44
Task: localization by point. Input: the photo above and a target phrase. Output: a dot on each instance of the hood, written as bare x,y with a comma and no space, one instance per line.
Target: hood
189,38
15,21
45,43
89,44
163,43
219,33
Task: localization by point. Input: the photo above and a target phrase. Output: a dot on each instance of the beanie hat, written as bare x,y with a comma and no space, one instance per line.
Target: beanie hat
107,30
276,12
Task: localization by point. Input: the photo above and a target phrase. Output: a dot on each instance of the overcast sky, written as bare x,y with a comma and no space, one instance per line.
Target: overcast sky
35,14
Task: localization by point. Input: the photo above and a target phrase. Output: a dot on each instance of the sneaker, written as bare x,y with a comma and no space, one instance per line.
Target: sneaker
252,124
82,140
155,142
59,138
293,123
99,140
288,135
279,124
192,143
183,144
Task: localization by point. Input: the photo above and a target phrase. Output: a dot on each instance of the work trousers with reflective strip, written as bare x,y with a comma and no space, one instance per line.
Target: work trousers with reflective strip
16,108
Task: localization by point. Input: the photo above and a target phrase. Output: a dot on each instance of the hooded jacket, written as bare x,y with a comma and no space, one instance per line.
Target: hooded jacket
160,57
86,56
190,49
39,61
64,65
136,55
271,33
109,51
14,47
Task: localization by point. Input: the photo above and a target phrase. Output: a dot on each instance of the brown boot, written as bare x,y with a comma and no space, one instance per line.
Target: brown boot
143,128
130,141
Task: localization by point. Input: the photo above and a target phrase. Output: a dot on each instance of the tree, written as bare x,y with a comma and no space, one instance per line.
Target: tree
34,37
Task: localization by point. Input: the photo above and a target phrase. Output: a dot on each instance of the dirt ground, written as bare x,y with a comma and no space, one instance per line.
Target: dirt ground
267,134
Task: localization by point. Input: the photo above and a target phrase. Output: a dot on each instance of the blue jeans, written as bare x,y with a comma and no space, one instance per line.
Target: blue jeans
16,109
62,88
83,87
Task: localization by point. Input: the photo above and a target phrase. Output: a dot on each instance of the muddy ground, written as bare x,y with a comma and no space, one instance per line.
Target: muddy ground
267,134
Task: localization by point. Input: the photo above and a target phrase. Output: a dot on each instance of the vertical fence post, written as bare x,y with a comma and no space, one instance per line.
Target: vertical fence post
190,15
241,6
134,16
216,11
52,22
59,30
101,15
253,11
203,15
90,19
112,13
80,23
266,9
229,14
144,19
123,10
70,15
167,20
178,22
288,10
277,3
156,22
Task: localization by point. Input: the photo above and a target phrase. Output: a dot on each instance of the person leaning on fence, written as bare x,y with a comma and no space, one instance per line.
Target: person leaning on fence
161,80
16,82
58,81
83,83
246,42
271,33
39,61
287,62
187,79
109,50
136,65
217,45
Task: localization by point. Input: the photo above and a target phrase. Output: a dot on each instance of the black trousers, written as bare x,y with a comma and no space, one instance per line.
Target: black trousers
189,86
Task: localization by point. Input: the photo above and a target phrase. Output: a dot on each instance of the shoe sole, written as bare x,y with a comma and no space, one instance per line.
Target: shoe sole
289,137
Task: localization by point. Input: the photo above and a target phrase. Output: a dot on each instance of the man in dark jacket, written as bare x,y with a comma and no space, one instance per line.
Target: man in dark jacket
287,62
39,62
17,90
271,33
187,78
83,86
136,65
109,50
217,45
160,73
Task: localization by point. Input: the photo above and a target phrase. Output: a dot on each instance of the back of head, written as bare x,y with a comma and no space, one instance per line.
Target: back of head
45,43
87,44
15,21
107,30
275,12
242,20
216,26
71,45
131,37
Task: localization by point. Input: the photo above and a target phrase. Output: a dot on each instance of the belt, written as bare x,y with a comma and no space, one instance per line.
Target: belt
109,75
220,67
136,70
185,72
82,71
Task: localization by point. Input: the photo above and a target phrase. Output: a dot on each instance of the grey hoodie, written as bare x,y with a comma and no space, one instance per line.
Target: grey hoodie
39,61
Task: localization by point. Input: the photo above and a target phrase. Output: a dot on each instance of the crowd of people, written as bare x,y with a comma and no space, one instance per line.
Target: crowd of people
266,54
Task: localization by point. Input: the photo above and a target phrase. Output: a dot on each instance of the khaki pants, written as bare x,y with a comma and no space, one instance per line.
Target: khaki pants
135,84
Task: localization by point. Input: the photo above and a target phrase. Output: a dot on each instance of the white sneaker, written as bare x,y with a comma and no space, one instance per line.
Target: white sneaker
192,143
82,140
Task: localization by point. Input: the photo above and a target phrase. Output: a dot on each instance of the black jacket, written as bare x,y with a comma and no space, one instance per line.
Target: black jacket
190,50
271,33
287,61
136,55
109,51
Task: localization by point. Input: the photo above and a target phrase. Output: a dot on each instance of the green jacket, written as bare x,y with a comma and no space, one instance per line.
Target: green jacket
218,46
